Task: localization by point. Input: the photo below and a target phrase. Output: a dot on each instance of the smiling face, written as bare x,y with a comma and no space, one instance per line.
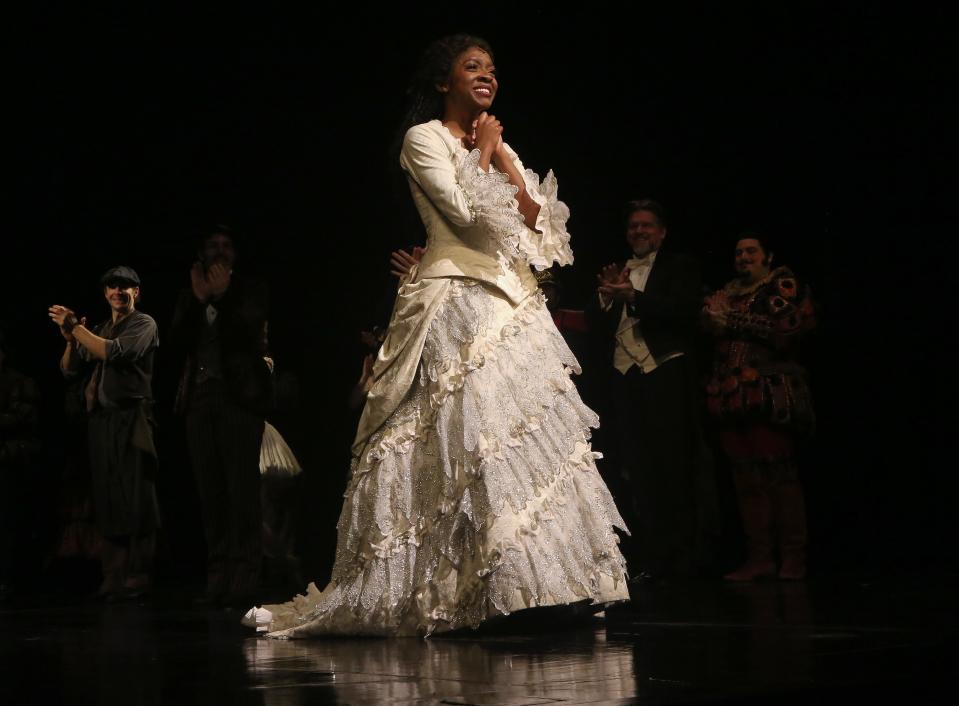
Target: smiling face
644,232
121,296
472,83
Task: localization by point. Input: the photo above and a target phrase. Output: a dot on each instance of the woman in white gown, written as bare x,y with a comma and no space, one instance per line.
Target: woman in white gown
474,490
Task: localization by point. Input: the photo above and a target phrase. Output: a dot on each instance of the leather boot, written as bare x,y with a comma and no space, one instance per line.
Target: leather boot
756,511
790,510
113,565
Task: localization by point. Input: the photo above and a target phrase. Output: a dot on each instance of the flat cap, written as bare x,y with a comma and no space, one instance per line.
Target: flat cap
120,273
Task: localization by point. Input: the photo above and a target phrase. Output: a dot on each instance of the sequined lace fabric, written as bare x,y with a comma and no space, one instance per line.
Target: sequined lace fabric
480,496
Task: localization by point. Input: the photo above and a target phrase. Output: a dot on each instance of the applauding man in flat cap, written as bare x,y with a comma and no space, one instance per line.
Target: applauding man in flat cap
117,355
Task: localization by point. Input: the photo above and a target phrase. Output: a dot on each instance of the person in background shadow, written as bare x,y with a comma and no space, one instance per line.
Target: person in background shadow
759,397
19,451
74,554
219,337
403,265
280,490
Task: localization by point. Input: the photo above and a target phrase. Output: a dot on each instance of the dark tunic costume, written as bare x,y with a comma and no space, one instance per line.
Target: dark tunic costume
123,457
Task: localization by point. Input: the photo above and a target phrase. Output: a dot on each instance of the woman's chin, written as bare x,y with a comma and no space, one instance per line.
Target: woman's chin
481,104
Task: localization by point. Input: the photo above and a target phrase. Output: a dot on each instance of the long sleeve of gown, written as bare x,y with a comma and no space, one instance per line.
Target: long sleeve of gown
469,197
549,243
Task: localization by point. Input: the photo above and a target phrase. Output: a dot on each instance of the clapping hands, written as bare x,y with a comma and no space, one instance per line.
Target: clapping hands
614,284
211,284
66,320
715,312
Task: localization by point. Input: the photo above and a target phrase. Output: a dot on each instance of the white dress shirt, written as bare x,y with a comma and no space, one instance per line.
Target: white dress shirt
631,348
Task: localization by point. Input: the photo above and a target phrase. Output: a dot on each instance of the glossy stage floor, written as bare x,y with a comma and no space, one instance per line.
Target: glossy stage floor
829,640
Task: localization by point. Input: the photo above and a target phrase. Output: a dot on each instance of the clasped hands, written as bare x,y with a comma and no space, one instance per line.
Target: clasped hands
487,137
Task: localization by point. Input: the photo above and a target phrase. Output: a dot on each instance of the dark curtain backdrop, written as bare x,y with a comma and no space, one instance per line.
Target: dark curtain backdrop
830,131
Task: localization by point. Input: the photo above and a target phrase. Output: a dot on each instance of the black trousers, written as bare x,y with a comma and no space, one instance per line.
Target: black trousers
123,467
665,471
224,441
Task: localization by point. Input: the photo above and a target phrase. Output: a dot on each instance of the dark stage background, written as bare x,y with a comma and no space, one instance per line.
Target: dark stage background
828,130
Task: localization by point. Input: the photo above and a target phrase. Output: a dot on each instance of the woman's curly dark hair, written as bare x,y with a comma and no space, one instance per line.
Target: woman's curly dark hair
424,102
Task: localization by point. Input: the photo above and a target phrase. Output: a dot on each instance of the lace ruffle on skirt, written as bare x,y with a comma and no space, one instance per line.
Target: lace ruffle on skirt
480,495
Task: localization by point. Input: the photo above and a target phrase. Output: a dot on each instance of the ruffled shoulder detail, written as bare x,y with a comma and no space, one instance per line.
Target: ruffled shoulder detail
551,243
493,206
492,201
